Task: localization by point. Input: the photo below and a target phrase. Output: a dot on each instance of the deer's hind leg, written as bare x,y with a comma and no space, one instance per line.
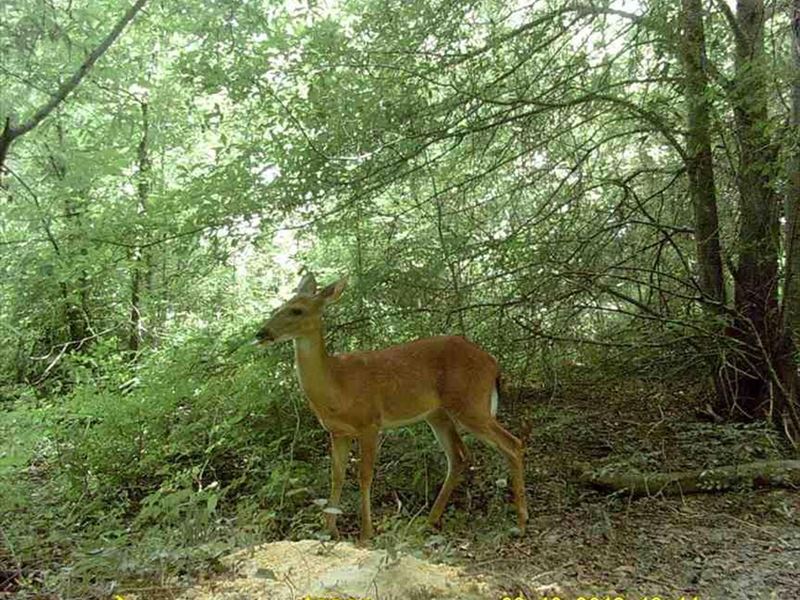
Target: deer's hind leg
457,459
490,431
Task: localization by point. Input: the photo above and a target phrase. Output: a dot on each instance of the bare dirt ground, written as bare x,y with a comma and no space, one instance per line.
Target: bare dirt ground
743,544
292,570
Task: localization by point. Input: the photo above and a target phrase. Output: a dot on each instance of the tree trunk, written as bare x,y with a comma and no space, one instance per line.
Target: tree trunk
791,294
763,374
139,259
791,287
702,187
75,295
700,167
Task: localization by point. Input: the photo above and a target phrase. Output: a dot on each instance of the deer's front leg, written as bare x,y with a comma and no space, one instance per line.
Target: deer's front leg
368,442
340,449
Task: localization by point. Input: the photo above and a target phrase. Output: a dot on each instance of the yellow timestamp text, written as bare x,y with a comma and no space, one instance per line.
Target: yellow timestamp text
602,597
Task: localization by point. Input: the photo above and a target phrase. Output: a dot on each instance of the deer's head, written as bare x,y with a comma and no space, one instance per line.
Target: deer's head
302,314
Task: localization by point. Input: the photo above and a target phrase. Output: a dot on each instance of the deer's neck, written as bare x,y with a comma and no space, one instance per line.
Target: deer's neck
313,369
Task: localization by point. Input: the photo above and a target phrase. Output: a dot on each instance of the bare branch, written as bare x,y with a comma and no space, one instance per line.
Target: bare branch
731,19
11,132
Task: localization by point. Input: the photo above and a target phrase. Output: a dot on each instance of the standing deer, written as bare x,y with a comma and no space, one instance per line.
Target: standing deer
444,380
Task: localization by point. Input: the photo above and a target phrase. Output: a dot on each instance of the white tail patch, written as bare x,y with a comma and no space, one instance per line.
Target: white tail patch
494,400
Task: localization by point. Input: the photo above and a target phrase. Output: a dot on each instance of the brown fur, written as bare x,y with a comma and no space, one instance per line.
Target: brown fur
444,380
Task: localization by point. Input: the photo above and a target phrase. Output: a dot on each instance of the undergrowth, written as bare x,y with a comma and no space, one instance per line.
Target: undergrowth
153,470
145,473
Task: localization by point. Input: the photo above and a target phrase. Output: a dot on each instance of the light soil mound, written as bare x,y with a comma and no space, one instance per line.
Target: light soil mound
309,568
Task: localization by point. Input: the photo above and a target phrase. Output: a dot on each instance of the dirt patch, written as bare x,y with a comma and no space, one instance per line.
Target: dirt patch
292,570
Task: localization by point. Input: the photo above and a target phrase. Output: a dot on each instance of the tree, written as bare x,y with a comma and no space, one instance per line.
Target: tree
700,167
791,296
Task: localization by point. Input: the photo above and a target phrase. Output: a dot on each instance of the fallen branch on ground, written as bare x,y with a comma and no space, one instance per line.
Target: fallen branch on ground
768,473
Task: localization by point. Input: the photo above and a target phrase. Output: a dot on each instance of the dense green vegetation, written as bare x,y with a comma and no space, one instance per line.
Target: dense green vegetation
588,189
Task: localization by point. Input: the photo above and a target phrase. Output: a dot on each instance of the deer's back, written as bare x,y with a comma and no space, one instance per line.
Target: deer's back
407,381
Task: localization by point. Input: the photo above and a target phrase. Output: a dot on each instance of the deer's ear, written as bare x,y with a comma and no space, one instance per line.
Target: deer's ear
332,292
307,285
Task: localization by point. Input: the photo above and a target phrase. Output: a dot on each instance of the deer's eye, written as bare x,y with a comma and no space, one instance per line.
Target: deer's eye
295,312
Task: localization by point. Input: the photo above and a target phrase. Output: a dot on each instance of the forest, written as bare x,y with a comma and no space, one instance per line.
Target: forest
603,195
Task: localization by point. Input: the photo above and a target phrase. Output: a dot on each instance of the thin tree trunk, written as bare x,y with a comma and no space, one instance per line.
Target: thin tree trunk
140,262
451,266
75,295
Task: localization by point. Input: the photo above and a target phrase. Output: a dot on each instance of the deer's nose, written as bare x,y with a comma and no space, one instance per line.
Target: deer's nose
264,335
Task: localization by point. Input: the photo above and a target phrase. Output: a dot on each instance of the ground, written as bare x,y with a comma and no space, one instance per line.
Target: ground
743,544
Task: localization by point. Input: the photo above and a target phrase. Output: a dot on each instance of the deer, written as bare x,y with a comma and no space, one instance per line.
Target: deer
446,381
